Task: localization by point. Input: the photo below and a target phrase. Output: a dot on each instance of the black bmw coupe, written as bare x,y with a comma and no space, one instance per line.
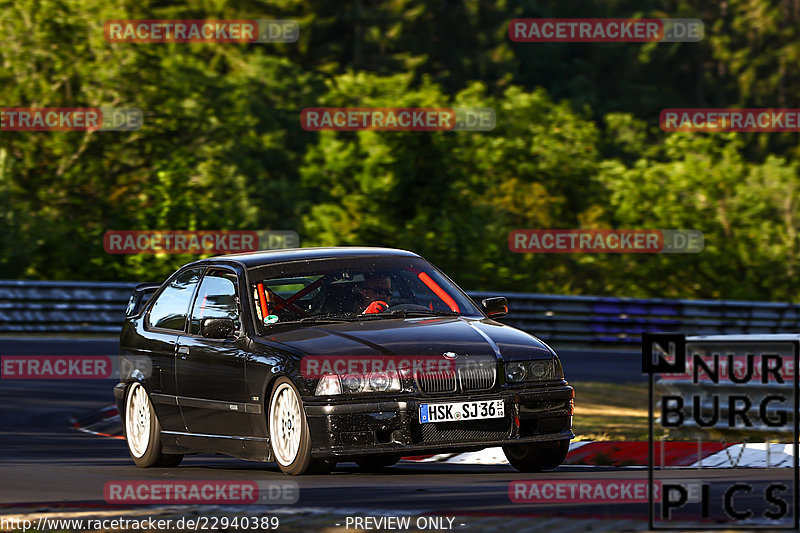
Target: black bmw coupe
314,356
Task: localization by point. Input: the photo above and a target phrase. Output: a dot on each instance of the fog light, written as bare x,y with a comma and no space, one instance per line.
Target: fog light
515,372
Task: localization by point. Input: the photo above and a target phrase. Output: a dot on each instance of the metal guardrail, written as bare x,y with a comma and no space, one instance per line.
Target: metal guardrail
63,306
609,320
98,308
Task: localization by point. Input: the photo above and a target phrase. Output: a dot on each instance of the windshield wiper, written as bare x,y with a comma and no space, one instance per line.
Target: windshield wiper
418,312
318,320
404,313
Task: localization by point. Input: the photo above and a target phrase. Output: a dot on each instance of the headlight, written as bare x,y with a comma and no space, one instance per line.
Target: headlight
541,370
379,381
515,372
330,384
352,383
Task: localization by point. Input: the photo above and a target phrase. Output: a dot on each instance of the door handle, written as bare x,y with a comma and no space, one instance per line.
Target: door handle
183,351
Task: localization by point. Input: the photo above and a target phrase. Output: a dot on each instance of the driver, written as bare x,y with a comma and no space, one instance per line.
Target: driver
375,291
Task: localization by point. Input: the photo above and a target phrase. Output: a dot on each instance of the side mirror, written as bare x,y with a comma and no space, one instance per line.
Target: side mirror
495,307
140,296
217,328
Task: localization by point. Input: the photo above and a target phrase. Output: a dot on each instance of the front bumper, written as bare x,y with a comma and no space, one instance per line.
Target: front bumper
355,428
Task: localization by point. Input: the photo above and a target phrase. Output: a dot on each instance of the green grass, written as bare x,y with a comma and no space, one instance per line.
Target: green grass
608,411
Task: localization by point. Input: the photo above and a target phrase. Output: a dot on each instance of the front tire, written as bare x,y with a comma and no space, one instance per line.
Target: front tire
143,431
536,456
289,437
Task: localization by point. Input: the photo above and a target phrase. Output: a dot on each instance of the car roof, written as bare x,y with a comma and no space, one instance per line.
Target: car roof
266,257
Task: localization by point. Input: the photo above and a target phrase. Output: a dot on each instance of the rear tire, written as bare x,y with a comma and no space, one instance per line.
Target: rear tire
536,456
371,463
289,437
143,431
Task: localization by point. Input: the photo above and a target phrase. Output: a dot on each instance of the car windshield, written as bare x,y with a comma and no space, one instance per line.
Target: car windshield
355,289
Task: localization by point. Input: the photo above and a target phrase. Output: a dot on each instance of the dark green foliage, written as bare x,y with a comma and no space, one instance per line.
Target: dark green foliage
576,142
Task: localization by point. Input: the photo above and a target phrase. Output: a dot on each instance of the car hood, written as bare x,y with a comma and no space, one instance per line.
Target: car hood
415,336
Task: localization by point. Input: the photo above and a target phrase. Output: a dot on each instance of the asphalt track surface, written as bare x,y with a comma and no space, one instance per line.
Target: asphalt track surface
46,464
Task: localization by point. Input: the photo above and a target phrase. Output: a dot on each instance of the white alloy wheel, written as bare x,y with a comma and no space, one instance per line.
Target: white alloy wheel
137,420
285,424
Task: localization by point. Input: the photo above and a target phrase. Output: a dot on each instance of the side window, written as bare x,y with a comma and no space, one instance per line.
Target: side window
216,298
170,309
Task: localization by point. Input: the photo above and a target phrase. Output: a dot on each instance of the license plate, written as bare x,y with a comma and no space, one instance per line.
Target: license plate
458,411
